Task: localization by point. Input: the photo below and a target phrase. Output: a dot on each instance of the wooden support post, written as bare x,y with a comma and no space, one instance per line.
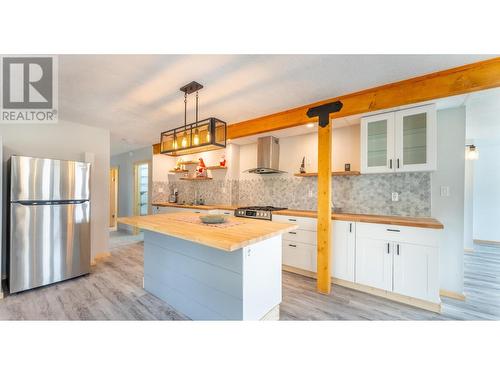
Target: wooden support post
324,208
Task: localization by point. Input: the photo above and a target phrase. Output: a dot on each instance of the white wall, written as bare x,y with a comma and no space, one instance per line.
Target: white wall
468,203
486,193
483,129
450,210
70,141
345,146
125,164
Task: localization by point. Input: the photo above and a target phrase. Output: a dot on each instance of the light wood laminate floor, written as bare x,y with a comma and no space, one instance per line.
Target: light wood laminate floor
113,291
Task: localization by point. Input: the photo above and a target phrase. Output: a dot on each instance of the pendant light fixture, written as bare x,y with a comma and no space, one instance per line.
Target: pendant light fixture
203,135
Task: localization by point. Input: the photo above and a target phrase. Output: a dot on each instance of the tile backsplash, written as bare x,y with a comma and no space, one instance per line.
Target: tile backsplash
370,193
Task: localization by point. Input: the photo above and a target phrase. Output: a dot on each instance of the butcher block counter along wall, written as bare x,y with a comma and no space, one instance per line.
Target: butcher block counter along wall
422,222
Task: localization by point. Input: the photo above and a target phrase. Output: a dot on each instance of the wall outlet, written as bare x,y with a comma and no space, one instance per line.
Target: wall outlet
160,190
445,191
395,196
310,193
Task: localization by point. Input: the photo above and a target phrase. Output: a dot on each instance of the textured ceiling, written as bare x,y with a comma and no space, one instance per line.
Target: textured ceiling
137,96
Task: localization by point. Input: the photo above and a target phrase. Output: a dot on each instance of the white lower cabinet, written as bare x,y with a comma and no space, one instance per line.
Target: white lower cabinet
299,245
374,263
343,249
396,259
402,260
299,255
416,271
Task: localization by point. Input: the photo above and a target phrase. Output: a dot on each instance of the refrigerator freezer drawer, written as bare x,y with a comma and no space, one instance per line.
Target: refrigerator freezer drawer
48,243
36,179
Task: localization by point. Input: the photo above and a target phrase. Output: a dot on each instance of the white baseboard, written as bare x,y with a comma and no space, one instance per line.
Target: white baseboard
452,294
487,243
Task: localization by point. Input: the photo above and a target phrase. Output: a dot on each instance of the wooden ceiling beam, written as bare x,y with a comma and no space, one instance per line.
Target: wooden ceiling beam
456,81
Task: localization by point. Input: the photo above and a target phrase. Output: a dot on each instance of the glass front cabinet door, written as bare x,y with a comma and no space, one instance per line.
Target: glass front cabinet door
401,141
416,139
377,140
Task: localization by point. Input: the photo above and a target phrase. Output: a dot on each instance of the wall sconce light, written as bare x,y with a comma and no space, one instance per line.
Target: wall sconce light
471,152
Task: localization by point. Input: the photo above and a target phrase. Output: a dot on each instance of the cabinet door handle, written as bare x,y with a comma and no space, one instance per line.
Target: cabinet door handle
398,163
292,219
292,232
393,230
397,249
350,227
292,245
388,248
390,163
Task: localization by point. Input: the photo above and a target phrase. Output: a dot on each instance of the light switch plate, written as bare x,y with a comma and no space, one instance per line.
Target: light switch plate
445,191
395,196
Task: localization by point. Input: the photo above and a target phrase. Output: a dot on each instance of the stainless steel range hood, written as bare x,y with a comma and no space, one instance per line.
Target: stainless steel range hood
268,156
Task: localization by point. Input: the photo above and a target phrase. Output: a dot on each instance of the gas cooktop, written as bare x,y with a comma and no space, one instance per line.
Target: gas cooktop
257,212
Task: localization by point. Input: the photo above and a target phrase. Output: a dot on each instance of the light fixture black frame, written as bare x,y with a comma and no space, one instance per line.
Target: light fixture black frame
211,123
190,129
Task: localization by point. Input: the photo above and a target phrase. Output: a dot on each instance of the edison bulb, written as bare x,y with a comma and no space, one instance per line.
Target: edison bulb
196,138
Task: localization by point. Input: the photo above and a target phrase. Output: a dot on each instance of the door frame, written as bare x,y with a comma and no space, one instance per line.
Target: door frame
136,190
116,172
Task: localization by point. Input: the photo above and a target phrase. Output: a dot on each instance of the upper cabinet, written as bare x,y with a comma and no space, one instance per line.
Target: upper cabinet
377,143
401,141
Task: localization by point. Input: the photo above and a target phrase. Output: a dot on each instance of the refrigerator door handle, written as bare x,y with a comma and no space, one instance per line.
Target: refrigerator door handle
46,203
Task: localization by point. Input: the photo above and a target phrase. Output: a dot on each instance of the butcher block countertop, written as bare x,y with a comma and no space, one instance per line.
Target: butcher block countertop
195,206
245,232
420,222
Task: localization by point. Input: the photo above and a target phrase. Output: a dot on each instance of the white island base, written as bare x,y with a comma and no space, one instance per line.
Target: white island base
205,283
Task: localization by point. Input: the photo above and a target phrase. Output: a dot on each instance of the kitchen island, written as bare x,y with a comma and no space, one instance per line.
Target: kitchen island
229,271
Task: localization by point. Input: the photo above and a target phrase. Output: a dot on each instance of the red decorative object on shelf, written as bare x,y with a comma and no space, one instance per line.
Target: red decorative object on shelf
222,162
201,169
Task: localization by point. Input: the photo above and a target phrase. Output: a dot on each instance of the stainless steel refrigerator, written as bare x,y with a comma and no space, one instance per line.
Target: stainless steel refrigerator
49,221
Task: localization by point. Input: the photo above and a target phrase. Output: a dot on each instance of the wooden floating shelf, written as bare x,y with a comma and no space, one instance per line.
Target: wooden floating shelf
215,167
177,171
196,178
188,162
342,173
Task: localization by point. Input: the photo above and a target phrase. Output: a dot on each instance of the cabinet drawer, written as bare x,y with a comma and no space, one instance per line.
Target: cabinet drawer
302,236
396,233
299,255
304,223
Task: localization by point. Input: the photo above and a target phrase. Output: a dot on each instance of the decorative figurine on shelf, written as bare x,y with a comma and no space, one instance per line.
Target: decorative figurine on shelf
178,164
303,165
222,161
201,169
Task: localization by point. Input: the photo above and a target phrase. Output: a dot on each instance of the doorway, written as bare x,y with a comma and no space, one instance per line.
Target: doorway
113,198
482,204
142,189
